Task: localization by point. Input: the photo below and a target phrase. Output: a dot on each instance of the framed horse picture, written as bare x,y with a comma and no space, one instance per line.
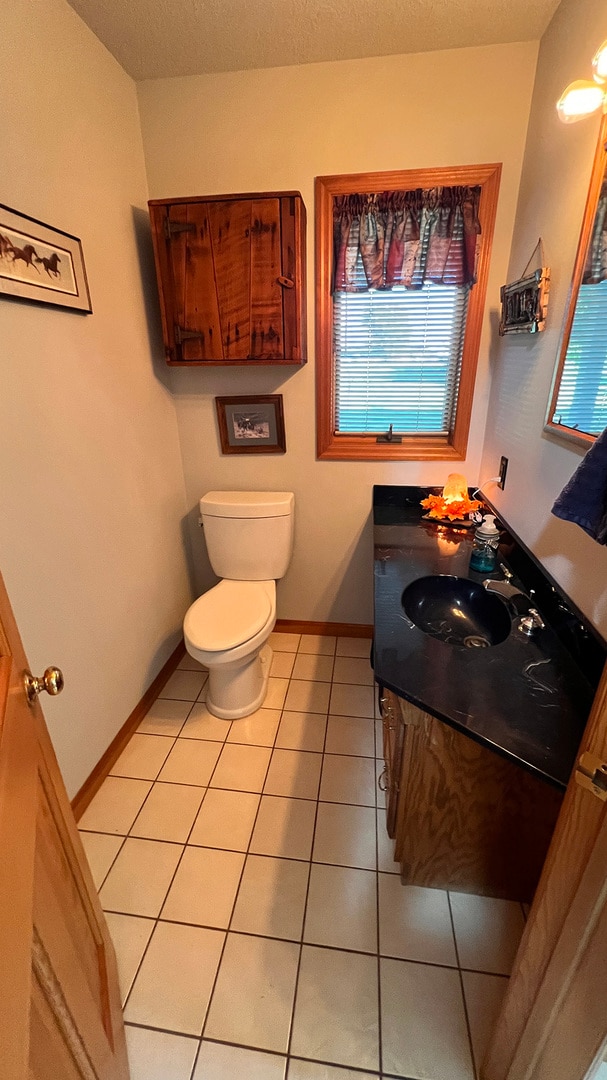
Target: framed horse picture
38,262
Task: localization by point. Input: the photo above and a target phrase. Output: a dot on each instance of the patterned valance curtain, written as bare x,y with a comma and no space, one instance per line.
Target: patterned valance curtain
595,269
405,238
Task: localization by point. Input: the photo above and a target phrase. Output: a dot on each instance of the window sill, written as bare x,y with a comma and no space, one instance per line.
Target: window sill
366,448
570,435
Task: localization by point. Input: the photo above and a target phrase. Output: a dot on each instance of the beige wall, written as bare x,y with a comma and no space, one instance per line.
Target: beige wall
558,160
278,129
92,487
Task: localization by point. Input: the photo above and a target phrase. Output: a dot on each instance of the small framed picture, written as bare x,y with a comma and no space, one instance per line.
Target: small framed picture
39,262
251,425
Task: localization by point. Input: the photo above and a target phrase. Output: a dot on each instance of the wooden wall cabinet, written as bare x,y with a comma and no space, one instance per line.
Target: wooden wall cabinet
231,278
464,817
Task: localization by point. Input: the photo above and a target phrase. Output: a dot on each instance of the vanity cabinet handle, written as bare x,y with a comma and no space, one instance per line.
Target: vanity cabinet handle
383,780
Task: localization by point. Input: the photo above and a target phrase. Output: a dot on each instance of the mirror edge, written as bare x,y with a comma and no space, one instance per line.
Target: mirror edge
599,166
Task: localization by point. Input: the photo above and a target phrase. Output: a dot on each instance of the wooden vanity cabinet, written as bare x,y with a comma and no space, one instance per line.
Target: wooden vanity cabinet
231,278
465,818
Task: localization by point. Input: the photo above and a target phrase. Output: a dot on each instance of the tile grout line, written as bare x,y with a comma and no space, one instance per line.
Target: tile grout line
155,781
271,1053
258,745
282,711
305,910
463,992
246,856
110,867
317,801
316,944
128,834
158,917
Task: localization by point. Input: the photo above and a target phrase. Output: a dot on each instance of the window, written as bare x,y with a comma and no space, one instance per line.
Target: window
398,335
578,404
581,404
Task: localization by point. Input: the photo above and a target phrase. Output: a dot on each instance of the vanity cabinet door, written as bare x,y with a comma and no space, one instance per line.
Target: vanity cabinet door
231,278
468,819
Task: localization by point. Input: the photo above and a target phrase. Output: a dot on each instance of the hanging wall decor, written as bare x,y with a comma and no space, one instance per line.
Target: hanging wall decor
38,262
525,302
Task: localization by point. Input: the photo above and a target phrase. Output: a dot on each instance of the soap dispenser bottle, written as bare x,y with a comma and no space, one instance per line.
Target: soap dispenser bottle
484,549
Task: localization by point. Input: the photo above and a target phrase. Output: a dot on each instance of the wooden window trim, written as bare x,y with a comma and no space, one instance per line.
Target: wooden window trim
332,446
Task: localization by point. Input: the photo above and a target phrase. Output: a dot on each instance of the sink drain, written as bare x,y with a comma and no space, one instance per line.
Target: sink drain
476,641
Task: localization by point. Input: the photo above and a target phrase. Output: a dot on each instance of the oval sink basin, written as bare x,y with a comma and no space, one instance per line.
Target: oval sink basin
457,611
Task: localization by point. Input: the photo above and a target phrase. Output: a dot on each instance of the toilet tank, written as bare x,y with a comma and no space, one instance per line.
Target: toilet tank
249,534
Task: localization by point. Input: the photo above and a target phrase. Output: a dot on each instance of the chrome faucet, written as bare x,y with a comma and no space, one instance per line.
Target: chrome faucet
532,620
505,588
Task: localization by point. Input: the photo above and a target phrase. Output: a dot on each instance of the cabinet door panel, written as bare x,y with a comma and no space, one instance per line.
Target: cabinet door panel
469,819
173,290
292,228
267,338
201,310
231,241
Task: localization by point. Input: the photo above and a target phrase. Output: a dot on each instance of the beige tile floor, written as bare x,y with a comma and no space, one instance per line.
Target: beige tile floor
260,925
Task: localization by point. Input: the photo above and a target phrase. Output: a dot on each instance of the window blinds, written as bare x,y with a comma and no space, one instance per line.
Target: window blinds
582,398
397,356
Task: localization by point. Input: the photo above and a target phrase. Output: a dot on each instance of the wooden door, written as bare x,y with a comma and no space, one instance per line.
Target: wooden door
553,1025
60,1016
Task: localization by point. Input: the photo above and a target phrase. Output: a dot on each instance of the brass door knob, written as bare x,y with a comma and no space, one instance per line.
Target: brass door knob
52,682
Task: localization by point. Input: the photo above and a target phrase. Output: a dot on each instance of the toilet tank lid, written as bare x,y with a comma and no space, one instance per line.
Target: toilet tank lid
245,504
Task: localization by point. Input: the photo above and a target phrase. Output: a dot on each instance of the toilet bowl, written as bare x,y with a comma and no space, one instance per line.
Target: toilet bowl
226,630
249,538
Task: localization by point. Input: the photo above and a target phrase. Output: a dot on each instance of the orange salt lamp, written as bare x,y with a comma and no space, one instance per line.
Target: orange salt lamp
454,504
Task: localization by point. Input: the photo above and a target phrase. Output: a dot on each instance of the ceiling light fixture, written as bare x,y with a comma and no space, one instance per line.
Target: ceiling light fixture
583,97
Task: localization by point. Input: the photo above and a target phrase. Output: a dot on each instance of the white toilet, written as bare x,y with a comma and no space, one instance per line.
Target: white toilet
249,537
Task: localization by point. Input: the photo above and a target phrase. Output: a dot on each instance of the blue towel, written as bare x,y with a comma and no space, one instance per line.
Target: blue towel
584,499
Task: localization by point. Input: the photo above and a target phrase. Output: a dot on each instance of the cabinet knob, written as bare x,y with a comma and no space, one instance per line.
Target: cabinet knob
286,282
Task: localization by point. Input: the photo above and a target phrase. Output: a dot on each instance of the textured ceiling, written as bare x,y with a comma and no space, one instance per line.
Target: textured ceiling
162,38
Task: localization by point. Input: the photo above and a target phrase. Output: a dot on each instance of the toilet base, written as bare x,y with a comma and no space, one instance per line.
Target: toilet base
235,691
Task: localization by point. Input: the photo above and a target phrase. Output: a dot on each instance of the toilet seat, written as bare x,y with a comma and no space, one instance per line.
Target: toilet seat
228,615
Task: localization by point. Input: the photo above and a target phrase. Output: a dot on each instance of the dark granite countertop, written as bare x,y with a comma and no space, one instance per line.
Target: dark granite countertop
527,698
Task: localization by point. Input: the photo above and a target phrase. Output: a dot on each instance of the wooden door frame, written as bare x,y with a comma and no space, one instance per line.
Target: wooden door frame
564,940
